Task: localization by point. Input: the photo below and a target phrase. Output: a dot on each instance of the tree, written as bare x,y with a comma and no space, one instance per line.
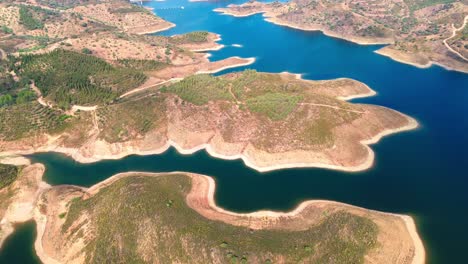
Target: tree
86,51
6,100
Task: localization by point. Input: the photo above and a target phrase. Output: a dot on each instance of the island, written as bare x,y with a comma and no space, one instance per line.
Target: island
419,33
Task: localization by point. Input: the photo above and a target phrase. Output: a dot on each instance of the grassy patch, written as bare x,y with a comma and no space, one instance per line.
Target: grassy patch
28,20
130,9
142,65
65,4
200,89
192,37
6,29
133,212
276,106
318,132
8,174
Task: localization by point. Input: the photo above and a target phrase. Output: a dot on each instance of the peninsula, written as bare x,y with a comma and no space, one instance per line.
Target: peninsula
417,32
85,79
307,123
100,90
79,225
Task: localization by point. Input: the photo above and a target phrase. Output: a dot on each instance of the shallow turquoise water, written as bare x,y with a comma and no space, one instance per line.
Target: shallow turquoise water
422,172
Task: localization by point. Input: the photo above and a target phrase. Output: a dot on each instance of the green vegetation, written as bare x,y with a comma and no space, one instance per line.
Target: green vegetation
200,89
131,119
418,4
38,47
133,212
25,96
69,78
28,20
6,99
39,41
318,132
6,29
192,37
86,51
8,174
276,106
131,9
27,119
142,65
65,4
12,92
375,31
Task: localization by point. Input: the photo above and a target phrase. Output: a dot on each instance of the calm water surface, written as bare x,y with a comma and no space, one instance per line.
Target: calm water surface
17,248
422,172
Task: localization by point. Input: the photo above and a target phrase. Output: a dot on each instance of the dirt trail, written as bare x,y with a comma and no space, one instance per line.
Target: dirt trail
334,107
454,33
40,99
233,95
149,86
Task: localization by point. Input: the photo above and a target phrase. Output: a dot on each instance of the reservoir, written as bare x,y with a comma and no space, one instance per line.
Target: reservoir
422,173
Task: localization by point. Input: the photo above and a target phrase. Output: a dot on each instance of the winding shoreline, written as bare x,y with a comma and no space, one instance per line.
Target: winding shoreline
392,54
270,17
110,151
248,161
171,25
204,186
249,61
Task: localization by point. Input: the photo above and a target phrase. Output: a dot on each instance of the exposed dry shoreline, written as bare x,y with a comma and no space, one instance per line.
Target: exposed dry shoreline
27,189
257,159
157,29
271,17
412,60
201,199
123,152
385,51
211,46
247,61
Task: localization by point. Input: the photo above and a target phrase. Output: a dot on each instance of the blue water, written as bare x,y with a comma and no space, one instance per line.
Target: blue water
17,248
422,172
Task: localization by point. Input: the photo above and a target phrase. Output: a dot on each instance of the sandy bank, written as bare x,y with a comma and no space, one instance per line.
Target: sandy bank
156,29
214,48
414,60
27,189
244,62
